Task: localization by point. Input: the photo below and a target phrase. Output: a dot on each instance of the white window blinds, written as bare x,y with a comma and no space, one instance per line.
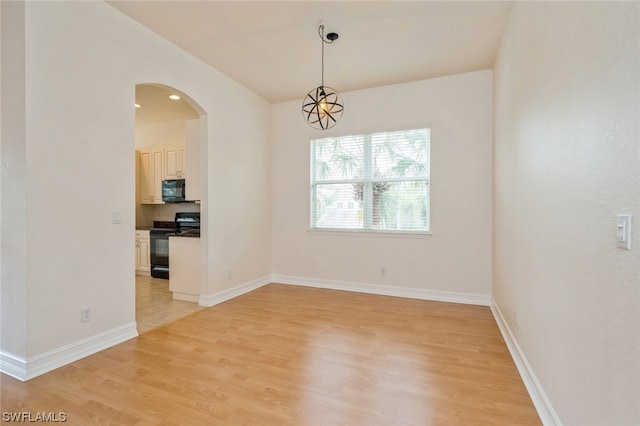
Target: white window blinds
375,182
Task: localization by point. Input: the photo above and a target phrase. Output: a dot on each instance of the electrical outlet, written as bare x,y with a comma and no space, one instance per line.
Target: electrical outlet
383,271
515,318
229,274
85,314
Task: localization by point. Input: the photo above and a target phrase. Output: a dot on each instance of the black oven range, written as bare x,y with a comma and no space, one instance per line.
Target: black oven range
187,223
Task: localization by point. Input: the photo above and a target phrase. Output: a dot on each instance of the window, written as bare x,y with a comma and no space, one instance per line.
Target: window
376,182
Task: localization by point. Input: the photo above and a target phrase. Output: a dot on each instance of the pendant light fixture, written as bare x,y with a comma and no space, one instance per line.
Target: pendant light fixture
322,107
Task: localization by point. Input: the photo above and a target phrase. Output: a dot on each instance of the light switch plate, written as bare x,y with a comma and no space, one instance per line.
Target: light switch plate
115,217
623,231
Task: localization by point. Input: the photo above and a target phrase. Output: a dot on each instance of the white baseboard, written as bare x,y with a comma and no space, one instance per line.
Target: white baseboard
224,295
13,366
547,414
412,293
24,370
186,297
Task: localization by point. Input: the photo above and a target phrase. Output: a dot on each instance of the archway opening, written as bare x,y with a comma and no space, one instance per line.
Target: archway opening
170,148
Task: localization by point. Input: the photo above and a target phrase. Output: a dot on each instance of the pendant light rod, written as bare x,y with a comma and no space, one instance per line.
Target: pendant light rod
322,38
331,37
323,42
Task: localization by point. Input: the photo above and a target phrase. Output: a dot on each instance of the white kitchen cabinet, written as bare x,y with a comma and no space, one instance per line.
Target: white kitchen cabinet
151,163
184,274
143,254
174,162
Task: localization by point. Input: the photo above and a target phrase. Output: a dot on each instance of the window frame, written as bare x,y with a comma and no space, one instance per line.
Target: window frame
367,180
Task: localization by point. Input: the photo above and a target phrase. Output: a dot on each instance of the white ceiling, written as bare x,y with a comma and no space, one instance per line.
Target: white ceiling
273,48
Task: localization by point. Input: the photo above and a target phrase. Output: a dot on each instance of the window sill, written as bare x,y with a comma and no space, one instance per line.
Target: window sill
367,233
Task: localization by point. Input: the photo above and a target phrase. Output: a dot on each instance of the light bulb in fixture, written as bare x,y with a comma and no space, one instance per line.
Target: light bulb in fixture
174,97
324,108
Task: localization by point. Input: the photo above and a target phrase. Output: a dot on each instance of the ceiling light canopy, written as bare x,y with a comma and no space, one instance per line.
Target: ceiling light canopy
322,107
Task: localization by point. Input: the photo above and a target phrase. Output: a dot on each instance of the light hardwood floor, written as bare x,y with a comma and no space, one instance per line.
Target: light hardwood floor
155,306
286,355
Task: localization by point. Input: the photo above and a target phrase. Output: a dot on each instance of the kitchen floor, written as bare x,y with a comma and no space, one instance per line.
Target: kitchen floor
155,306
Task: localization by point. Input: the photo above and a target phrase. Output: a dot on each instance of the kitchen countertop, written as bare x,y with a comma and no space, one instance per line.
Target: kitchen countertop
186,235
143,228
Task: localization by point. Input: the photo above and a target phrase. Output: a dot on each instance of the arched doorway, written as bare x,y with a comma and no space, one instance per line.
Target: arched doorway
168,134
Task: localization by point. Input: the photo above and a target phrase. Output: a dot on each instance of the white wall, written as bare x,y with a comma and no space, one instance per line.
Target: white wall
567,160
161,134
83,60
456,258
13,185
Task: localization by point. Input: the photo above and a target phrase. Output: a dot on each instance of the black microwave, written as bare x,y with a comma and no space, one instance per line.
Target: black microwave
173,191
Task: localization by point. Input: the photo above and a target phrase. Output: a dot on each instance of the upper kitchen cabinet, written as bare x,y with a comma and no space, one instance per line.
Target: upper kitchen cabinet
175,159
150,169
